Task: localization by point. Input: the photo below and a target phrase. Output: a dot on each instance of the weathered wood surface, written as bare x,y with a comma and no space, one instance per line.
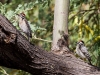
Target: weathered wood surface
16,52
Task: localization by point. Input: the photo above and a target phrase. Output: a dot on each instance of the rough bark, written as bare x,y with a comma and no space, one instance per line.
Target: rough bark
16,52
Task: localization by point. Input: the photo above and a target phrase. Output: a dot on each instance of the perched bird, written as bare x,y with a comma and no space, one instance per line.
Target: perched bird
24,25
82,51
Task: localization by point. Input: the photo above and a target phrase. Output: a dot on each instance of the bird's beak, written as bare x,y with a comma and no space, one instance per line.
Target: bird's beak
20,16
77,42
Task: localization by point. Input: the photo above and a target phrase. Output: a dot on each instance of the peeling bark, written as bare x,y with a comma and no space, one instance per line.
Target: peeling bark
16,52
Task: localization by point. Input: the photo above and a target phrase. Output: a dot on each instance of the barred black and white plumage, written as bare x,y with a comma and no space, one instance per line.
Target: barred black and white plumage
24,25
82,51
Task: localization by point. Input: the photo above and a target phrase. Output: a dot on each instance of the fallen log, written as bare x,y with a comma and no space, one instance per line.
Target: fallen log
18,53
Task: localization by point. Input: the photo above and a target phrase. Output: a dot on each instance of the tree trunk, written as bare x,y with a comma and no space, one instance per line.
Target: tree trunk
60,28
16,52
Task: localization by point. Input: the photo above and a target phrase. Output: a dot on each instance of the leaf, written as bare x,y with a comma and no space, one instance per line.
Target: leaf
76,20
3,71
80,27
9,14
97,38
89,29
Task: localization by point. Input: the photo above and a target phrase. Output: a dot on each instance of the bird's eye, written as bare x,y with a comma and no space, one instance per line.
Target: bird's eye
22,14
77,42
82,43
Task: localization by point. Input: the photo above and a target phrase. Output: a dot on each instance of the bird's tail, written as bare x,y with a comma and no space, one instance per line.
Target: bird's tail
90,61
29,36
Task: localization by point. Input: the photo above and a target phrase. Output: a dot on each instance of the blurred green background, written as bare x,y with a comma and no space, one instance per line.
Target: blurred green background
84,23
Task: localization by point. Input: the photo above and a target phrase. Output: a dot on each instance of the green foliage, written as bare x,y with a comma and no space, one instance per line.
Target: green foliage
6,71
3,71
84,22
39,13
41,24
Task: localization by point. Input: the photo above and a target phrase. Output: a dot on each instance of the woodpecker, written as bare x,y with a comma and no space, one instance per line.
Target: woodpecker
24,25
82,51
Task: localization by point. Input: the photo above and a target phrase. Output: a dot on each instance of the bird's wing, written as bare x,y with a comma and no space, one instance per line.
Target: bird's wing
85,52
30,31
